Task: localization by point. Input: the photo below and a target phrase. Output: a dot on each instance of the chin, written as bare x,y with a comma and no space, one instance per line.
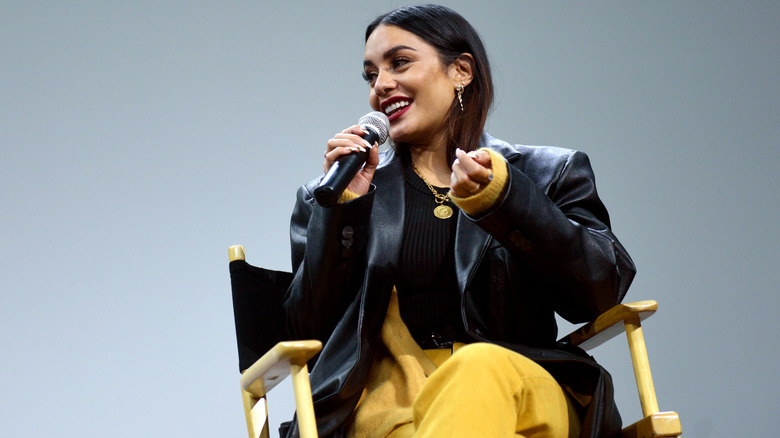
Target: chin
401,134
399,139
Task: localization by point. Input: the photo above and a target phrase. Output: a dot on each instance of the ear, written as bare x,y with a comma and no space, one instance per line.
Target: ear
462,69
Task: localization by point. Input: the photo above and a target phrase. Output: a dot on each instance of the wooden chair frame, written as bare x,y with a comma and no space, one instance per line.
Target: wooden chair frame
290,358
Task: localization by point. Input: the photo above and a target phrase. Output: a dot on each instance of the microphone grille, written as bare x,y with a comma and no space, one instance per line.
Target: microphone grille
378,121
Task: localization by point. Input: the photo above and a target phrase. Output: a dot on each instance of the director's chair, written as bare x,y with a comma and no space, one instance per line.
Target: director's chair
266,356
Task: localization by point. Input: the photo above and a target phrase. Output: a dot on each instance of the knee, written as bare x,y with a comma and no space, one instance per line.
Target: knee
479,353
479,358
488,359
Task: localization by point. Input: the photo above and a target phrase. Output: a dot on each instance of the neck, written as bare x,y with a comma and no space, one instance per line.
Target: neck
433,164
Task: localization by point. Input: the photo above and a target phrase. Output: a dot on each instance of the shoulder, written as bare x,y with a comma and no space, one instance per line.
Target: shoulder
524,156
528,153
543,164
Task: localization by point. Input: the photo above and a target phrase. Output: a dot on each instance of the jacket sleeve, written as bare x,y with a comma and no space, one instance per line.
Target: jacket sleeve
561,228
326,246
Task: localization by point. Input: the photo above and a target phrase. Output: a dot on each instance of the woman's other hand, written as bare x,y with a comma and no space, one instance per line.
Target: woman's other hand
471,173
351,141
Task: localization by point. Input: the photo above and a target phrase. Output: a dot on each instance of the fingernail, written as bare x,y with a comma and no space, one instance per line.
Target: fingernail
367,144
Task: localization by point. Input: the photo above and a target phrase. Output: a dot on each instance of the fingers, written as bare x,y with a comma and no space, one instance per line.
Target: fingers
350,141
481,157
471,173
461,185
373,157
476,164
346,142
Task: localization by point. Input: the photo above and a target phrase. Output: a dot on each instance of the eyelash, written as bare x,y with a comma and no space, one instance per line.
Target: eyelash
400,61
396,63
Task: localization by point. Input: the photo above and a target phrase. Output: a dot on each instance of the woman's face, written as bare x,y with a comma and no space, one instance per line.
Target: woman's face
408,82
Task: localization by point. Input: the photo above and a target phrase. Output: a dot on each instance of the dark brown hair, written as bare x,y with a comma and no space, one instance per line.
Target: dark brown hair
452,36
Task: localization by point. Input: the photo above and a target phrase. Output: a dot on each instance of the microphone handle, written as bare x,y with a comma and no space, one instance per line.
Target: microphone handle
338,178
342,171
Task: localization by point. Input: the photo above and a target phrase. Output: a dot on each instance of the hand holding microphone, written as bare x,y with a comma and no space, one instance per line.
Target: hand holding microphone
351,149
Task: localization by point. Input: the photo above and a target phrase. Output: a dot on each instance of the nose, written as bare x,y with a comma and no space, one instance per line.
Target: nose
384,82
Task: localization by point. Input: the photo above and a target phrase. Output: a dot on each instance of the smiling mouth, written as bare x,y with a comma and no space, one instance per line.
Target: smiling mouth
395,107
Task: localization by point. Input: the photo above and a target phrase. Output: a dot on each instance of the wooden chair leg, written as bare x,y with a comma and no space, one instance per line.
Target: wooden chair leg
304,406
256,413
654,424
644,378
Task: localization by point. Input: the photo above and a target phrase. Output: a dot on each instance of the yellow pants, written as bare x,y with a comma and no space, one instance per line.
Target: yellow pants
476,390
485,390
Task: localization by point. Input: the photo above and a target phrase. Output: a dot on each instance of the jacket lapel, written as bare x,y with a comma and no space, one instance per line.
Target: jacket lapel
471,242
387,216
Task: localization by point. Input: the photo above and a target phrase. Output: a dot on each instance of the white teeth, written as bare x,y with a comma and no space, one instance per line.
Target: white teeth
395,107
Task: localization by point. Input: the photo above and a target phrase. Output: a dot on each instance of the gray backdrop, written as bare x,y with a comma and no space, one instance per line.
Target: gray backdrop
141,139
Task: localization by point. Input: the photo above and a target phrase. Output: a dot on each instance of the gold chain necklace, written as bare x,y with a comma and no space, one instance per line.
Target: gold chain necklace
441,211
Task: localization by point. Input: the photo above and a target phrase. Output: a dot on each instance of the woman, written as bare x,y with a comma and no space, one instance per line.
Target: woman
451,238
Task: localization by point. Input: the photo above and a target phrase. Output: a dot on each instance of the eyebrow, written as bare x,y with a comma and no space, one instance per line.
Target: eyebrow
390,52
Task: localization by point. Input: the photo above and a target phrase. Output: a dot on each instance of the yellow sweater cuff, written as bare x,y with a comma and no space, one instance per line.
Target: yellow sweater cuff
484,200
347,196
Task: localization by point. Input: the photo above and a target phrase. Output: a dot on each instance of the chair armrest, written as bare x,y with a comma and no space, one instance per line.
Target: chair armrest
610,324
661,424
274,366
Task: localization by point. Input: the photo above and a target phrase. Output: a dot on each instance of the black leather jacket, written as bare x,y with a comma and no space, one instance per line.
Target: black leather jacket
545,247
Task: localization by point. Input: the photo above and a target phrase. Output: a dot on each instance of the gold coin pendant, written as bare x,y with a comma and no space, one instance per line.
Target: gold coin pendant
443,212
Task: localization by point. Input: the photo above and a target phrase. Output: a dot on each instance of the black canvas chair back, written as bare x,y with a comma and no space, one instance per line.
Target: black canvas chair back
257,309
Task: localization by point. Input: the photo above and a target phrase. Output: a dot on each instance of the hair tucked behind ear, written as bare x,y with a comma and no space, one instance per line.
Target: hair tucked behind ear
452,36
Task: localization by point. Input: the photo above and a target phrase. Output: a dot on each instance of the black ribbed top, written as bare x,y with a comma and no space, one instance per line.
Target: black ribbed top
427,287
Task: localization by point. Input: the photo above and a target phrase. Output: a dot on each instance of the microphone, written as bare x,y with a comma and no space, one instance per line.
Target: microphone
346,167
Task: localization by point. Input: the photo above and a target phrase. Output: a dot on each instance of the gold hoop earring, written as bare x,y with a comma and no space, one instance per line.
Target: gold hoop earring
459,90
